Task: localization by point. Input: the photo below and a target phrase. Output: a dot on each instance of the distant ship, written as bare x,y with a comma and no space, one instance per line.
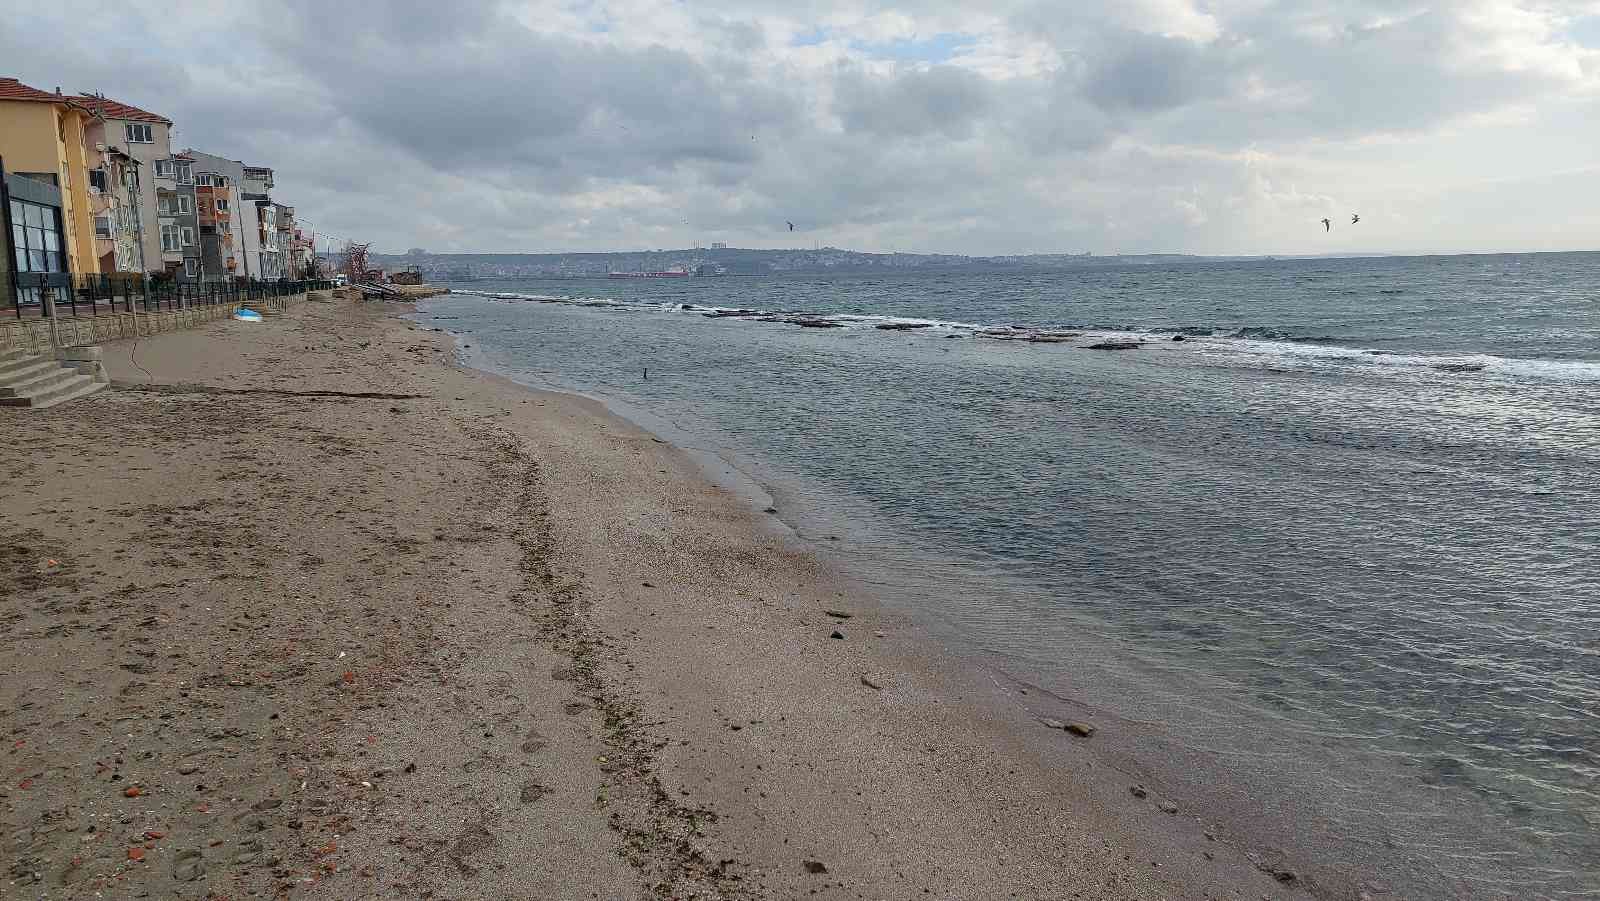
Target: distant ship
666,273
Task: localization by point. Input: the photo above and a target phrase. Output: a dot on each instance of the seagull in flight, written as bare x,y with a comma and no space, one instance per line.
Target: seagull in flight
1327,224
791,225
1354,218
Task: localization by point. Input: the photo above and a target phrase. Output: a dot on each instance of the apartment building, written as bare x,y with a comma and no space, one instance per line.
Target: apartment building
42,137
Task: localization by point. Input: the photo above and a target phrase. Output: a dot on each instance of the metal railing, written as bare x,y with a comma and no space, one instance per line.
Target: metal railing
112,294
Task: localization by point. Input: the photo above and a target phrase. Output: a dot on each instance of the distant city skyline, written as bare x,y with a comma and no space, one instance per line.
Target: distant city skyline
1133,126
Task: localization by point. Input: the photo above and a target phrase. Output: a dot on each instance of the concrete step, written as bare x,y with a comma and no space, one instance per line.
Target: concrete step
24,368
82,386
36,382
71,388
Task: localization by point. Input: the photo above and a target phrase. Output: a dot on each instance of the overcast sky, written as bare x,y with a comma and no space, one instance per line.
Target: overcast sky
1010,126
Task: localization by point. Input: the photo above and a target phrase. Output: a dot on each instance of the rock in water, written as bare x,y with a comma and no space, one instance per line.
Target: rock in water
1115,345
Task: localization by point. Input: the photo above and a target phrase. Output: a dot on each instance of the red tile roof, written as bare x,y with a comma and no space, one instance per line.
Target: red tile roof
111,109
12,89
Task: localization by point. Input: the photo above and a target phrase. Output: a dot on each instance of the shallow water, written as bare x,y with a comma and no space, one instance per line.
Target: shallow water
1342,538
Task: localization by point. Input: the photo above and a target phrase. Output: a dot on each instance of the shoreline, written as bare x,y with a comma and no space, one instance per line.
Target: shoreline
537,651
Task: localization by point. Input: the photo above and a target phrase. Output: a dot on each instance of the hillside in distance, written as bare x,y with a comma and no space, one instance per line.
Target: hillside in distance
736,261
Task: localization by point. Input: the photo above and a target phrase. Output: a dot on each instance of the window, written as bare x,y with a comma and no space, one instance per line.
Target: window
171,239
102,226
163,168
191,267
185,205
188,236
222,181
222,205
164,204
97,179
139,134
183,171
204,179
34,232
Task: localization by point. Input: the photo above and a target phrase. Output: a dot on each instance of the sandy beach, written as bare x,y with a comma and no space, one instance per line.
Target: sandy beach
305,609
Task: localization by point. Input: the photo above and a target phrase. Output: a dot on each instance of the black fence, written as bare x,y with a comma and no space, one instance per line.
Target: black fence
104,295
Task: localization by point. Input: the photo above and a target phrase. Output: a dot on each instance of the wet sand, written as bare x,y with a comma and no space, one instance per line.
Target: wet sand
304,609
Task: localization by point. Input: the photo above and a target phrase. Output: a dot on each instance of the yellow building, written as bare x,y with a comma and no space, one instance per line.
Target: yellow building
42,136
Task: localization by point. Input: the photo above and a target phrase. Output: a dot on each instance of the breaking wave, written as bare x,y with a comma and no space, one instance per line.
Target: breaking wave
1262,345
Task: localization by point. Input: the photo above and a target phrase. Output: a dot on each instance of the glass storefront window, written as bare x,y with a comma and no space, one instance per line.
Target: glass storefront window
34,235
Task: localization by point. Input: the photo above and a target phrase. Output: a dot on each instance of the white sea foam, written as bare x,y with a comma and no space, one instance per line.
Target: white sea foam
1262,344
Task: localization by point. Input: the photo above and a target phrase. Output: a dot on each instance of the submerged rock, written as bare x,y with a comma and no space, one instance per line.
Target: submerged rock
1114,345
903,326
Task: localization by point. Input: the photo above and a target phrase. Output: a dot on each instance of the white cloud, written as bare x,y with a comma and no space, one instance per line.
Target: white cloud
1017,126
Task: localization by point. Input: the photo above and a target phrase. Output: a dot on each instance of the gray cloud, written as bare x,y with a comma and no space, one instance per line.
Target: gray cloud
1024,126
941,99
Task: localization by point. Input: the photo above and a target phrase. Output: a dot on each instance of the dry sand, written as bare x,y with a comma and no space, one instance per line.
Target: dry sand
303,609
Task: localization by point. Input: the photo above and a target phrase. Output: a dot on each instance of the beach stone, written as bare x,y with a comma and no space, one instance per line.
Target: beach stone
1053,724
1168,807
836,634
188,769
1284,874
1082,730
532,792
573,708
1137,791
267,804
1179,338
188,866
838,614
814,866
871,684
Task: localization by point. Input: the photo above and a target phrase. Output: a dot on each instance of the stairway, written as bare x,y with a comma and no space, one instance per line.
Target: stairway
39,381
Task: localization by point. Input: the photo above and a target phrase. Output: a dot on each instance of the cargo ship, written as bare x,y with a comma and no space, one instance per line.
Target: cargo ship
665,273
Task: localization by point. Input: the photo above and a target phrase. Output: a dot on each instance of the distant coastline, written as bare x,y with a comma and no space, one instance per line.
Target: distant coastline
722,262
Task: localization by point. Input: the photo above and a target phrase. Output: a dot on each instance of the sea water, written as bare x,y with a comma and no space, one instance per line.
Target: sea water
1339,547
